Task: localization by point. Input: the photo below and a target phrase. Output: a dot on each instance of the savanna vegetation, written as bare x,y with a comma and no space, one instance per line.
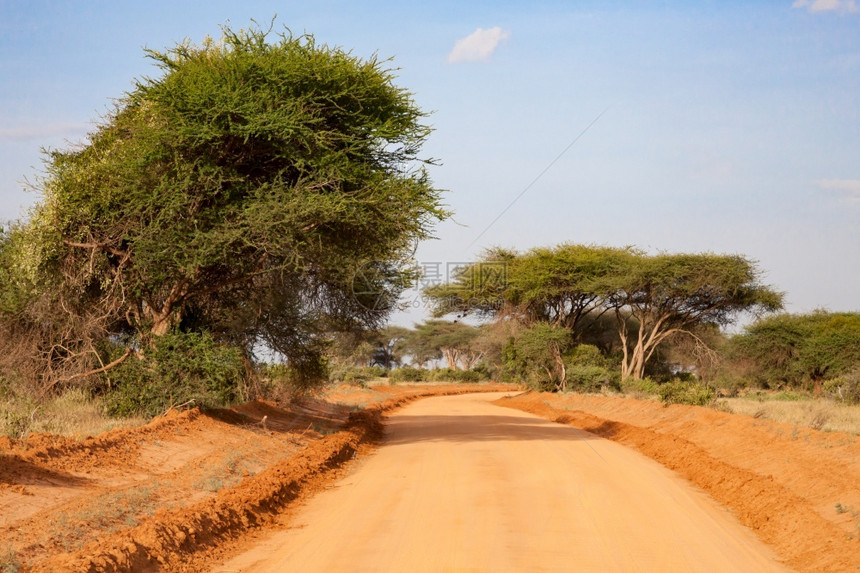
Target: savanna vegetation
254,196
591,318
236,226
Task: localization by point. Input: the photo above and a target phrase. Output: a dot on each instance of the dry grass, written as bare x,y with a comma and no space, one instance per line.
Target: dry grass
74,413
818,414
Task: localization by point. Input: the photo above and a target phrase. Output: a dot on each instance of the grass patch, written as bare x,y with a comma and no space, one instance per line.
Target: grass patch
9,561
816,413
227,474
74,413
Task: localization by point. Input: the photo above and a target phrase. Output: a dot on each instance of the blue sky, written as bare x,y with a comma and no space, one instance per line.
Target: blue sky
728,127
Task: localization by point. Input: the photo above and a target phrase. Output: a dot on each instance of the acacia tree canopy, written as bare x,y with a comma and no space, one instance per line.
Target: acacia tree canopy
670,294
653,297
239,192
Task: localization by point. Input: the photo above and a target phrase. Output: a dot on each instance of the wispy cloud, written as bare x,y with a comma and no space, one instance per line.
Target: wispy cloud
842,6
27,132
477,46
848,190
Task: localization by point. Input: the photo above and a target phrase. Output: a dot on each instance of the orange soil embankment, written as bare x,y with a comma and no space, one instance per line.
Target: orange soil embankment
783,483
172,535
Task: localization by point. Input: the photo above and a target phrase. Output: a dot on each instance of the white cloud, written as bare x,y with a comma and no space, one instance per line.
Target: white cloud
477,46
848,190
844,6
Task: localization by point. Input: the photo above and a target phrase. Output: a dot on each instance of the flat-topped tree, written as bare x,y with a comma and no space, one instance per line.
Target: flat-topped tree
559,285
571,286
239,191
655,297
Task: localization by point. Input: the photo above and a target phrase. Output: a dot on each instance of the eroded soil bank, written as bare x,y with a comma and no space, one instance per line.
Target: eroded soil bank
153,497
798,489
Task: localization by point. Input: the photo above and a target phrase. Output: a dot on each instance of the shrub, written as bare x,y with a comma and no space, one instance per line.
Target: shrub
469,376
357,375
451,375
640,388
690,393
585,355
590,378
407,374
181,368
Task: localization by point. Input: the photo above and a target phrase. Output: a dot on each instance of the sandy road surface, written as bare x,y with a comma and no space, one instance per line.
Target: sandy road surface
463,485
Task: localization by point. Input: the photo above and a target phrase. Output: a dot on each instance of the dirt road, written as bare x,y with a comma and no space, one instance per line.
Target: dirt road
464,485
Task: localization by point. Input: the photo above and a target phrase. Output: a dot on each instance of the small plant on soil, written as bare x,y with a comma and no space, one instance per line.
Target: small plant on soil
9,562
227,474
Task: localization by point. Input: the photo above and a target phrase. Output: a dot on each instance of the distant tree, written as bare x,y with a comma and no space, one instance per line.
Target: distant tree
656,297
419,348
455,341
560,285
245,191
537,356
799,350
572,286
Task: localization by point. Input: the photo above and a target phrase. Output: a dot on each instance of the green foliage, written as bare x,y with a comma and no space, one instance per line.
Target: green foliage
796,349
408,374
640,387
182,368
652,297
357,375
591,378
451,375
535,356
263,189
587,370
585,355
690,393
558,285
457,342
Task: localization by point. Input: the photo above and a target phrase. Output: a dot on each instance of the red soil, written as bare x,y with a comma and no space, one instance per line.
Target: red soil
153,497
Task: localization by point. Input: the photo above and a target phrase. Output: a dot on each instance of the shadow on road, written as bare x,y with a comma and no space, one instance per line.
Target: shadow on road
404,429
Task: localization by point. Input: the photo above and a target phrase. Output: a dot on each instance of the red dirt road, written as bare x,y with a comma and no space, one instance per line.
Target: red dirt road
464,485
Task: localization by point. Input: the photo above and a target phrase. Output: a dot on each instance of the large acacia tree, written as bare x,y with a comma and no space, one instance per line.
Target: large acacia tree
660,296
239,191
560,285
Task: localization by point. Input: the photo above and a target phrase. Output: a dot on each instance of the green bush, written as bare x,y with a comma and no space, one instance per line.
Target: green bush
585,355
590,378
640,388
690,393
180,368
451,375
469,376
357,375
407,374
